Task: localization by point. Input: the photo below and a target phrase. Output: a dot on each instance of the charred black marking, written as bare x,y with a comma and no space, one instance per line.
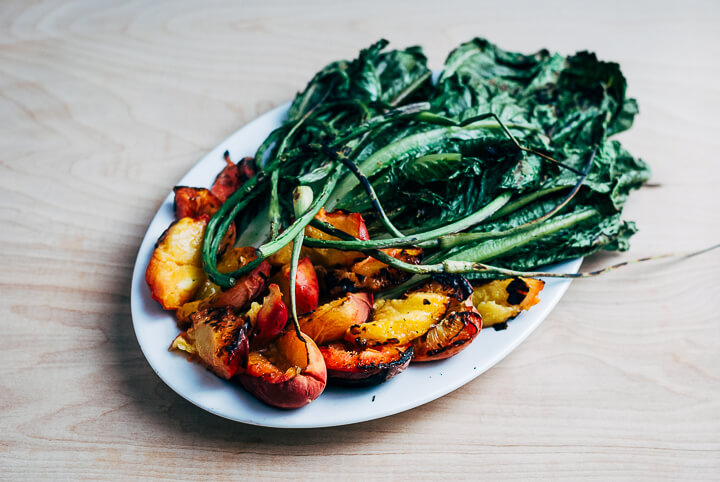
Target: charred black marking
340,283
517,291
500,326
459,286
426,301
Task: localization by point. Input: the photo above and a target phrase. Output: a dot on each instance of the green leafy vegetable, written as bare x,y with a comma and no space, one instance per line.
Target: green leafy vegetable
514,149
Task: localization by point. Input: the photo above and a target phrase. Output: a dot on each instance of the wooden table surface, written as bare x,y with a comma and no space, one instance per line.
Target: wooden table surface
104,106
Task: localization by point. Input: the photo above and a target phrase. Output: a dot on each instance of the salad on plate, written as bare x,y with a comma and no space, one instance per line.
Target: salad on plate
401,212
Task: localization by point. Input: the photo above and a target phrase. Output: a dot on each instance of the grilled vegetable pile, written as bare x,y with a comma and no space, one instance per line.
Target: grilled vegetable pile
402,211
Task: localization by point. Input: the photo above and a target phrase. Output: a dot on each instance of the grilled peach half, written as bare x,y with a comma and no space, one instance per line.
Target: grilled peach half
331,320
399,321
289,373
350,223
501,300
371,274
218,339
232,177
175,271
307,291
193,202
349,365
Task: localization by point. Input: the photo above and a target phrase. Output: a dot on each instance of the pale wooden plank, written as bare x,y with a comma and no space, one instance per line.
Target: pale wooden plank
104,106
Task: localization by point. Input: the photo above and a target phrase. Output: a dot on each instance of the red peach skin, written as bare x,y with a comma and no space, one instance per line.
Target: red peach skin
307,290
292,387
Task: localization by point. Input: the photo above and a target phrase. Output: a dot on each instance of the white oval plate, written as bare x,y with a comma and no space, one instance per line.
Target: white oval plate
419,384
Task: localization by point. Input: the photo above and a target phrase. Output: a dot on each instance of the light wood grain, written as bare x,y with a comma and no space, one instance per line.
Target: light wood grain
104,105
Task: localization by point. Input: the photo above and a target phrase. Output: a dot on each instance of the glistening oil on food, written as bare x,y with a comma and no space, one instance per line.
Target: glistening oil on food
402,213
